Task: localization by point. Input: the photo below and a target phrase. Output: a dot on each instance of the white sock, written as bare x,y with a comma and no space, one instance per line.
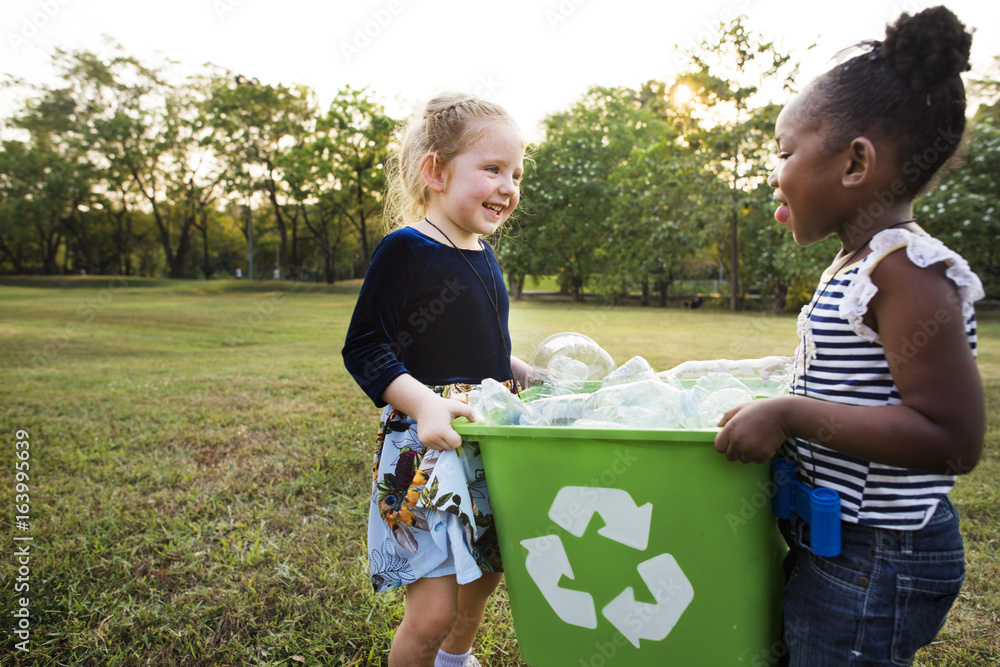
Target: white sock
450,659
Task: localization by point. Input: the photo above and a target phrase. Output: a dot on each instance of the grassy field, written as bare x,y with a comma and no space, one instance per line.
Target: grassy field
200,461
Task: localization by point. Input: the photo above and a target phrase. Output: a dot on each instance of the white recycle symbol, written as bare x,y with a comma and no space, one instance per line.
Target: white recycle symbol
625,523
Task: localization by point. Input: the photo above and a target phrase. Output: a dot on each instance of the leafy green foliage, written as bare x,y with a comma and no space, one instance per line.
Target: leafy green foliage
257,124
568,197
129,169
964,210
734,126
664,203
357,133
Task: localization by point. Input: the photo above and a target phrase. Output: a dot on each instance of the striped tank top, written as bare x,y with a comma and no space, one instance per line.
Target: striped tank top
840,359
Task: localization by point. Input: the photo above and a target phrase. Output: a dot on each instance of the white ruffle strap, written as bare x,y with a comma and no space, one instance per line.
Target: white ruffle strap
805,351
923,251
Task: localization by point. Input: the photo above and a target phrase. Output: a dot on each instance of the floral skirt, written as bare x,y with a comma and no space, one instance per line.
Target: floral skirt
430,511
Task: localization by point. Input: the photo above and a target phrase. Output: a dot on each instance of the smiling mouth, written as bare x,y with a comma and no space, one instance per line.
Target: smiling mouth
496,208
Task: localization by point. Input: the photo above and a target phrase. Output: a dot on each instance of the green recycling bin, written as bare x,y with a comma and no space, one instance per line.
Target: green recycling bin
633,547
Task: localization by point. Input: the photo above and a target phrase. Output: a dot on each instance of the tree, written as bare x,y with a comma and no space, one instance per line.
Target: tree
148,137
199,176
664,199
357,133
964,210
724,79
33,207
47,185
314,189
568,196
258,122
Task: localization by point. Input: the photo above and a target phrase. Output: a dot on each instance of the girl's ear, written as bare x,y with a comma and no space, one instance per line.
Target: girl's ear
861,162
432,171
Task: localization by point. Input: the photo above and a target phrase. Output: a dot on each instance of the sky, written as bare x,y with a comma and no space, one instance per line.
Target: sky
532,57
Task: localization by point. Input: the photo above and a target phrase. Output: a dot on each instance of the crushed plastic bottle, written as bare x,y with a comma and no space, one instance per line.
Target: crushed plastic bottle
763,368
765,377
562,410
643,404
564,375
493,403
569,369
714,394
635,369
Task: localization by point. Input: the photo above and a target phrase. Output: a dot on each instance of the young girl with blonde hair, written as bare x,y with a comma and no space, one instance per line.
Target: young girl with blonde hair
430,323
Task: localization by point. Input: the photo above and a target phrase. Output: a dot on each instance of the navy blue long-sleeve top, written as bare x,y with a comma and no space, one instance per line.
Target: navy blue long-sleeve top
423,310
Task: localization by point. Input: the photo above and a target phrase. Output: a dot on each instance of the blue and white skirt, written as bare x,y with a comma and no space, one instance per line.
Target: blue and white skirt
430,512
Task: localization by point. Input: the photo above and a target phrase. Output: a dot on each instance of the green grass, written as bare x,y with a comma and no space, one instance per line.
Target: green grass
200,462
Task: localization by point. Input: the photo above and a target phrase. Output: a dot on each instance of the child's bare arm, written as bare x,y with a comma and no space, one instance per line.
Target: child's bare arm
918,315
432,413
520,370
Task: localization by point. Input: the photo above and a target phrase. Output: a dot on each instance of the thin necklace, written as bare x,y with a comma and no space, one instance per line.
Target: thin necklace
495,298
805,351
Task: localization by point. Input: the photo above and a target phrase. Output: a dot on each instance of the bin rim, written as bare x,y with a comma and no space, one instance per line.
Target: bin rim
466,428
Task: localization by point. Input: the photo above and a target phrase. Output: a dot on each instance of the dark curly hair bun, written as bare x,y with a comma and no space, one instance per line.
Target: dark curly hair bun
907,90
928,48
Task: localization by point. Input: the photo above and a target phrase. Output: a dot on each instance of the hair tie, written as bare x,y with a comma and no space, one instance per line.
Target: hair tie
870,47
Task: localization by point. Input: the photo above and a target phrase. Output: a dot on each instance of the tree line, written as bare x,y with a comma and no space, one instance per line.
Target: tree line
123,168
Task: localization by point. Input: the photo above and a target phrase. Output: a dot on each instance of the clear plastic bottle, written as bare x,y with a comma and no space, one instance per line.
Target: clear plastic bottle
635,369
561,410
767,376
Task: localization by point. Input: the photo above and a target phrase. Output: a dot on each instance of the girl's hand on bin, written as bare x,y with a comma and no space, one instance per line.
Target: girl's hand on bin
752,432
434,417
432,413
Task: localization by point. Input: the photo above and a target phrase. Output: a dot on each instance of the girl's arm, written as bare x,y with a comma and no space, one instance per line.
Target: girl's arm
432,413
940,425
520,370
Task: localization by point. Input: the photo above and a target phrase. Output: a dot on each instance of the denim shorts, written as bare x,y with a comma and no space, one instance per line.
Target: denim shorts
886,595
